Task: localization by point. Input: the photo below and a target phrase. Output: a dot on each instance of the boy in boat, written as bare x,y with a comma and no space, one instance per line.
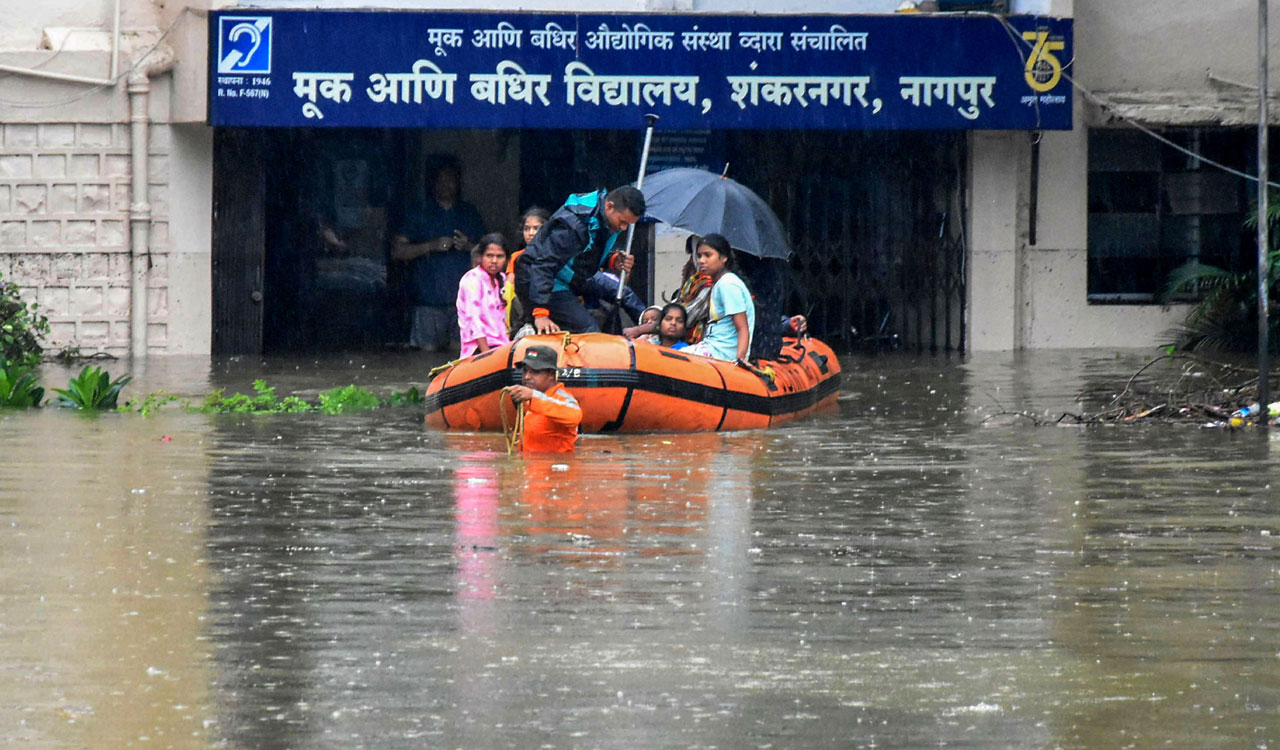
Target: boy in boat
552,417
561,260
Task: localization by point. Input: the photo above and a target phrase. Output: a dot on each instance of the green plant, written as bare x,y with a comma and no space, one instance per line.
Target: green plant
348,399
21,327
411,397
150,403
1225,318
92,390
19,386
263,402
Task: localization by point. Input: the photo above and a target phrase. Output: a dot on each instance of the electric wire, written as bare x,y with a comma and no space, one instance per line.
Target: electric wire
1132,122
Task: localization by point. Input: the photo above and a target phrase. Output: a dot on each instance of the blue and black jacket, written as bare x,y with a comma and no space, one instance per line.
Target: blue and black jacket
569,249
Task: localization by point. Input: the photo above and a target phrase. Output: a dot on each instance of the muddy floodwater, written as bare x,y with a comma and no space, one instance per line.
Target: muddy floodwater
901,573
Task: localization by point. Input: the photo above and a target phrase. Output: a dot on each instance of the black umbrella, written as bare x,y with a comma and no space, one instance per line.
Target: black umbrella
704,203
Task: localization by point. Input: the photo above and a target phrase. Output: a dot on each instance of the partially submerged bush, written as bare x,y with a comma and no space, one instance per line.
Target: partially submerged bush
21,327
19,386
348,399
263,402
92,390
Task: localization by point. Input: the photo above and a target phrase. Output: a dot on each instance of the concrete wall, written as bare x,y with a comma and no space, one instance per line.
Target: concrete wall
1168,45
65,186
1149,60
190,212
995,242
1055,311
25,22
1036,297
64,204
64,228
1179,62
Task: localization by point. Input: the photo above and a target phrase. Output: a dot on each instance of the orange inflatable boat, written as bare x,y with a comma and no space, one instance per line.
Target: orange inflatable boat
635,386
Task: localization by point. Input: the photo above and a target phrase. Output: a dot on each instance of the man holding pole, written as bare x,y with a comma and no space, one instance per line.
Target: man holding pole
570,248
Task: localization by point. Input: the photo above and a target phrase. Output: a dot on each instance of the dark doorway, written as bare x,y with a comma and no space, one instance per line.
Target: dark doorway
875,222
238,241
304,220
327,206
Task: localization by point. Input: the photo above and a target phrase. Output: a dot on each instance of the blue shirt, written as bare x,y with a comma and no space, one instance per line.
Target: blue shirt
729,297
433,278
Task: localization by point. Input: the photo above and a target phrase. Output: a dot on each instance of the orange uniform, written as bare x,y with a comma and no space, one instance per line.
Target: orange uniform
551,421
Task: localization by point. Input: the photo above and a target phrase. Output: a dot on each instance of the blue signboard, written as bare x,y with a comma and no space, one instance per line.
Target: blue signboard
402,69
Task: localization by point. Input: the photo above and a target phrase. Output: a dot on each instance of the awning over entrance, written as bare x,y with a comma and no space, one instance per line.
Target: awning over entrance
1221,107
599,71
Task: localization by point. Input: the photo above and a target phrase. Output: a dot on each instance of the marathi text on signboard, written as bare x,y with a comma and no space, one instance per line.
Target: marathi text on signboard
515,70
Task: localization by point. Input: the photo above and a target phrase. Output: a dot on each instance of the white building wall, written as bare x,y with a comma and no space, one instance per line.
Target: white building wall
66,174
1055,312
190,284
995,162
1168,62
64,232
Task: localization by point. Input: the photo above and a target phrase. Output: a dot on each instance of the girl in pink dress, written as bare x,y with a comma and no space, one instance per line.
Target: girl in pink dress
482,322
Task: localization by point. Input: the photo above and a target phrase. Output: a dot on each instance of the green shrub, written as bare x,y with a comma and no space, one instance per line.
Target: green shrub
348,399
21,327
150,403
411,397
341,400
92,390
19,386
263,402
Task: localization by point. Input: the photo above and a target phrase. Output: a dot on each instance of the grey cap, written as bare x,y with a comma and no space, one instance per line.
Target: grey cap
539,358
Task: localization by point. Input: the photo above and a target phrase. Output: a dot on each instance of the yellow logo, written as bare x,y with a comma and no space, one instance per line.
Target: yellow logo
1044,69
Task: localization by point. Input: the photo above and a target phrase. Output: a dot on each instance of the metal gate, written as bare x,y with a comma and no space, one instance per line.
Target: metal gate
876,223
238,241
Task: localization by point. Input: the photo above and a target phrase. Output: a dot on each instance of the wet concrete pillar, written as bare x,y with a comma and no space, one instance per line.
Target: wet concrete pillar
998,161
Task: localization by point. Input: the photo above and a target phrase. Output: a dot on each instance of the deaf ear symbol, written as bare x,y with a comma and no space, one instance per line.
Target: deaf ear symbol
240,30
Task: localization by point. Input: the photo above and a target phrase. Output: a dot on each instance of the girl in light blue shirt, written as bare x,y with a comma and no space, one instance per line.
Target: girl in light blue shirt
732,313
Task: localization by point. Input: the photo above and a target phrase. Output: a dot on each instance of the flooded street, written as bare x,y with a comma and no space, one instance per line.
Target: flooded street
903,573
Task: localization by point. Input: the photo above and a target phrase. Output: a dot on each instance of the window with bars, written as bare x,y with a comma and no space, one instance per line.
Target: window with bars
1153,208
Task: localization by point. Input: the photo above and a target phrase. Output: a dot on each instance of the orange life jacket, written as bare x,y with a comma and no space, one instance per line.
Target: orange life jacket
551,421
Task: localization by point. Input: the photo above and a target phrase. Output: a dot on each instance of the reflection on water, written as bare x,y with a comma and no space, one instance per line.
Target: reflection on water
902,574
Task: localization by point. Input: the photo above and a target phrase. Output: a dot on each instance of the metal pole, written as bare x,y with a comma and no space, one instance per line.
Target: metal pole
1264,344
650,121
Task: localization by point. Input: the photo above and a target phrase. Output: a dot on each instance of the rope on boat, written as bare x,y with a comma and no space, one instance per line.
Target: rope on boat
442,368
514,433
569,342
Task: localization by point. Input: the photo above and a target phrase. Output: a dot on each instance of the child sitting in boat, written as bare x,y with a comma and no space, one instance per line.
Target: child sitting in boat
671,326
646,327
731,312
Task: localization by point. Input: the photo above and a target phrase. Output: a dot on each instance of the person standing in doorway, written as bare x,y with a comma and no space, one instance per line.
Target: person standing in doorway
567,252
435,241
482,320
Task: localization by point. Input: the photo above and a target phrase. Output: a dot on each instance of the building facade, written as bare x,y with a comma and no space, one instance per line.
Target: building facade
139,227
